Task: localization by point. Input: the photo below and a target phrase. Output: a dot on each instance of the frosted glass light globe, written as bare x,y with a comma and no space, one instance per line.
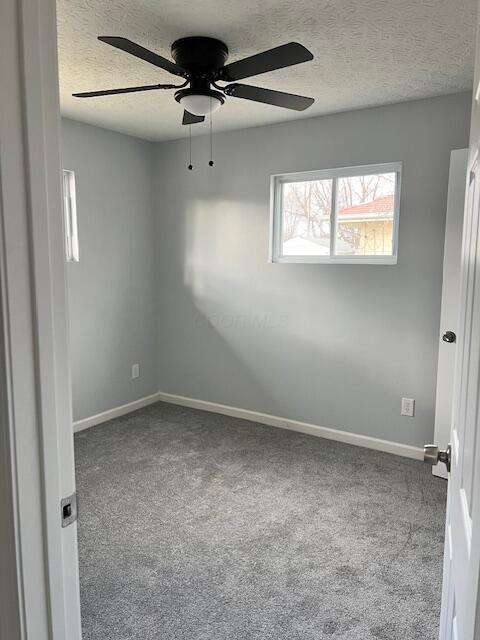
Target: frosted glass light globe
199,104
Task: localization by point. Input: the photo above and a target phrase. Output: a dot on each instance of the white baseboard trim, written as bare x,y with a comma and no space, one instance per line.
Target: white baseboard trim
397,448
80,425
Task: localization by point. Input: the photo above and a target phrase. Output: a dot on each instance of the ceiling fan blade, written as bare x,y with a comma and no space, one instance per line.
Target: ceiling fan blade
267,96
190,118
277,58
110,92
145,54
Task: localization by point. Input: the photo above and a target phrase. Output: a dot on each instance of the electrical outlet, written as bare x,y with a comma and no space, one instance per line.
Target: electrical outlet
135,371
408,407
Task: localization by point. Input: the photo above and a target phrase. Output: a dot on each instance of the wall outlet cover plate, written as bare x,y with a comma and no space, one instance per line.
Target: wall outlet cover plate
408,407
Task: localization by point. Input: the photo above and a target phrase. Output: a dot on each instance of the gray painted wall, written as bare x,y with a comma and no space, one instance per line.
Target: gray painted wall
335,345
112,289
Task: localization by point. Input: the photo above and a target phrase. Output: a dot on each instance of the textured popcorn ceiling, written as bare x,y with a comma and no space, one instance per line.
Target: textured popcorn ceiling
367,52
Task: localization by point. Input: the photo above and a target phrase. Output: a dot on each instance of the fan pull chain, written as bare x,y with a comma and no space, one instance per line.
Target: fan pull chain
190,166
211,162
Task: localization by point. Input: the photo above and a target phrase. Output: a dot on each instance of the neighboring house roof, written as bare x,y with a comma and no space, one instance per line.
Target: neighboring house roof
379,207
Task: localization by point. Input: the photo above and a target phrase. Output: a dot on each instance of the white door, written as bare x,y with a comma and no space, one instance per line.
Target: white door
459,620
450,293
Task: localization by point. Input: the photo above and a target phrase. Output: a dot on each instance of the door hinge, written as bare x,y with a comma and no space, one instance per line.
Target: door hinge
68,510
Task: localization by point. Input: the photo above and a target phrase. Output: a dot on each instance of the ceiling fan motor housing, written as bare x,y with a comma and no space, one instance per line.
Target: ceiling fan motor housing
200,56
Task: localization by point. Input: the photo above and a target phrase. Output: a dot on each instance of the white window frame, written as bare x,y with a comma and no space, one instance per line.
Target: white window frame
276,219
70,216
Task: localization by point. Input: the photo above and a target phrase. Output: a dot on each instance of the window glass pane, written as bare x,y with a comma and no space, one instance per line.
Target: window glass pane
306,208
70,216
365,215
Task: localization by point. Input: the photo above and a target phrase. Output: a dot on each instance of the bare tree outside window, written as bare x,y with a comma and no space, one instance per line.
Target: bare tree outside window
306,217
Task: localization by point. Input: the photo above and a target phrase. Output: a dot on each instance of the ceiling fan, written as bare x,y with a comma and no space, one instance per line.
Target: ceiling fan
200,61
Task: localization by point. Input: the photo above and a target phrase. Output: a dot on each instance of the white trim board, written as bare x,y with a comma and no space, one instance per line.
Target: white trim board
396,448
116,412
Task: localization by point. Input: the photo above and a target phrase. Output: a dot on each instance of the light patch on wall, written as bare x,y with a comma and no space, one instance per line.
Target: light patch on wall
217,237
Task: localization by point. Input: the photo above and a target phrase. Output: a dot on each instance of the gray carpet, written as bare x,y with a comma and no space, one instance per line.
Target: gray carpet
195,526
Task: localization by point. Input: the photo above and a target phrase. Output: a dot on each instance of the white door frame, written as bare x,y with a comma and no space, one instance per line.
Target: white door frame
450,301
39,595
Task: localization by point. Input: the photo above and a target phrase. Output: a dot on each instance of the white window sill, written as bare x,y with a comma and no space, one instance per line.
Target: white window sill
388,260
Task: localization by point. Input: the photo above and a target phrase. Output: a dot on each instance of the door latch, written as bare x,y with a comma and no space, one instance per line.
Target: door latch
68,510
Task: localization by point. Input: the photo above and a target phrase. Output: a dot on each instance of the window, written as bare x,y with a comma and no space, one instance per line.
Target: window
70,216
347,215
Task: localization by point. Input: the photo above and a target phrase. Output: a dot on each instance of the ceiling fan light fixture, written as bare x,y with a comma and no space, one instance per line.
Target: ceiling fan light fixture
200,103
